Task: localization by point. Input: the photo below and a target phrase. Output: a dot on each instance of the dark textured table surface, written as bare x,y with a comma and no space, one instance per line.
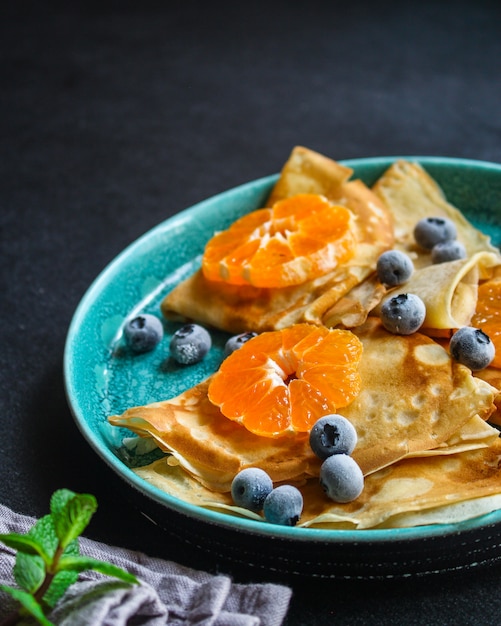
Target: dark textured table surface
116,116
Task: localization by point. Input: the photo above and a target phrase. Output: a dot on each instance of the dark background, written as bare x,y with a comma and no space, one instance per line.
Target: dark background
114,116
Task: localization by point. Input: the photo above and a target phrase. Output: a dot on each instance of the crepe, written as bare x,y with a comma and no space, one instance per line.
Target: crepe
411,194
492,375
448,290
236,309
213,448
354,307
414,399
412,492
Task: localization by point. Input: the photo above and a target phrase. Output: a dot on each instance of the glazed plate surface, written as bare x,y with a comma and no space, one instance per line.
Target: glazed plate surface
102,380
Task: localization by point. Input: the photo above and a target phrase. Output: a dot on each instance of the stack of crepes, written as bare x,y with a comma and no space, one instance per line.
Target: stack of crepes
427,441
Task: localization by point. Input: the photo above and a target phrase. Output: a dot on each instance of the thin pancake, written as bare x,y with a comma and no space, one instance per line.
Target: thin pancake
448,290
492,375
412,492
411,194
414,397
212,447
244,308
423,490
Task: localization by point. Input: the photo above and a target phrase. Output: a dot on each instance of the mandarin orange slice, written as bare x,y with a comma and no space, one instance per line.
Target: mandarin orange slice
298,239
280,382
488,314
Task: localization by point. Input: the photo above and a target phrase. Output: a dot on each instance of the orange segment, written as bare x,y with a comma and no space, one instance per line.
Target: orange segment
298,239
488,314
282,381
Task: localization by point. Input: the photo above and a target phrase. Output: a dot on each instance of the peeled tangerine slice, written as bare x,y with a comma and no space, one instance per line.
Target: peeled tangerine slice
283,381
296,240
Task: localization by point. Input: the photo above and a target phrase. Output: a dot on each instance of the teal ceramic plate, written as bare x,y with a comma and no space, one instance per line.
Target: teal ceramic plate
102,379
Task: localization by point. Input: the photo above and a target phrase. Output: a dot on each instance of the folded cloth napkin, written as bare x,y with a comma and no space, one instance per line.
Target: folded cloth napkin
168,593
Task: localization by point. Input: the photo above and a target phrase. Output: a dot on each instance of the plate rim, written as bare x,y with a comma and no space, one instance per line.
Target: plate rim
221,519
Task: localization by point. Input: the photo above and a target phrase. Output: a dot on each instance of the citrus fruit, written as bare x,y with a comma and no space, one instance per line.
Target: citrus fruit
283,381
487,316
298,239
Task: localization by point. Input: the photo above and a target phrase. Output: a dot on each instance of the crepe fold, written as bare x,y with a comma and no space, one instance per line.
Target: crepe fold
411,492
212,448
236,308
411,194
449,290
414,399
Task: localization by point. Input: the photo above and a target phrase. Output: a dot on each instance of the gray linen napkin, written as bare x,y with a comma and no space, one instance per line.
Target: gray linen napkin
169,593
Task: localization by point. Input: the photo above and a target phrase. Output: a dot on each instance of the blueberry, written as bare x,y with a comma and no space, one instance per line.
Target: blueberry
403,314
283,505
250,488
190,344
341,478
237,341
394,268
472,347
448,251
143,333
332,434
432,230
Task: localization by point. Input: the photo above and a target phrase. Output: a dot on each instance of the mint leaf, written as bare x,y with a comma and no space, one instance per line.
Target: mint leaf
58,586
82,563
72,518
29,571
72,548
22,543
44,533
29,603
59,500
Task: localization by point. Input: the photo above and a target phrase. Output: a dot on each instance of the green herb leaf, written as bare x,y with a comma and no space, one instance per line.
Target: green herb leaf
72,549
58,586
29,603
29,571
59,500
82,563
22,543
44,533
73,516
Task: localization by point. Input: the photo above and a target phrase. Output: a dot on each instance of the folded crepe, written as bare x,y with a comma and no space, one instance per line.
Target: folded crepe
419,491
414,398
448,290
411,194
212,448
236,308
492,375
411,492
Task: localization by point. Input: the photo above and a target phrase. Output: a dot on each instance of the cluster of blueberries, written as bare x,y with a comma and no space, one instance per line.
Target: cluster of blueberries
332,438
404,314
188,345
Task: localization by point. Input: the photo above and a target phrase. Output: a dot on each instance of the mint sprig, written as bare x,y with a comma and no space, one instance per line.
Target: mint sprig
48,558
